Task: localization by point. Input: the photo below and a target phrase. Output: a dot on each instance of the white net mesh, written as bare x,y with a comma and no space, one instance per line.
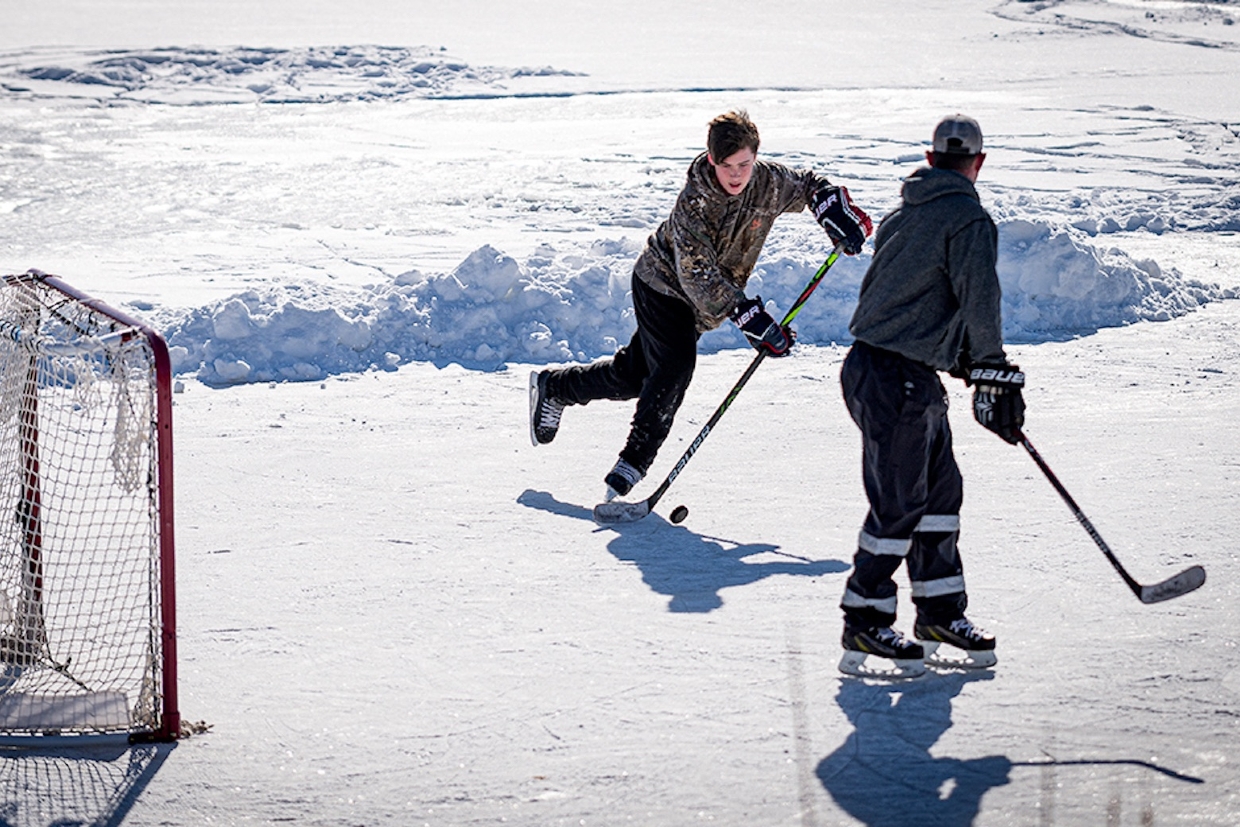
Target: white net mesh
79,518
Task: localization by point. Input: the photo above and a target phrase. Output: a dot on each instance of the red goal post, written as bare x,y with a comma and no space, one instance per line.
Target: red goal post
87,574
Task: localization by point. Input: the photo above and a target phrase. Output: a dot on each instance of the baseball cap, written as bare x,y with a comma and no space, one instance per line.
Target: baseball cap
958,135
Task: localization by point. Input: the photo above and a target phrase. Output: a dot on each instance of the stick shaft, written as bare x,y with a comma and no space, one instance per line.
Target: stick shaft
792,313
1080,515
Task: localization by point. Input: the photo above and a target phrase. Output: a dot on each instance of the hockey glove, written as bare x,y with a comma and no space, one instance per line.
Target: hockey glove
997,402
841,218
761,330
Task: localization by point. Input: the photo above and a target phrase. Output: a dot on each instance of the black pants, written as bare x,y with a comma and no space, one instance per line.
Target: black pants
914,488
655,368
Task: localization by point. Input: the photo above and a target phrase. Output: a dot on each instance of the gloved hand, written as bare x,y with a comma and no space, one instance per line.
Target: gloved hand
841,218
761,330
997,402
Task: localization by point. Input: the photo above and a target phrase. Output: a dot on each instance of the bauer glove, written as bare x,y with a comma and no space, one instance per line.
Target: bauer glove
761,330
997,402
841,218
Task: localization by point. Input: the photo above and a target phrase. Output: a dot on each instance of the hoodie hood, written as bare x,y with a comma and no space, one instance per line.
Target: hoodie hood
702,181
927,184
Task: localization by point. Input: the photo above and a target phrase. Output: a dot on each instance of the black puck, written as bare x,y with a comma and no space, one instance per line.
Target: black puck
679,513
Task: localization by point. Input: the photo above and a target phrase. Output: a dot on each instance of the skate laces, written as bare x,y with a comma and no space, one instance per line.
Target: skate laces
888,635
549,412
627,474
621,479
965,628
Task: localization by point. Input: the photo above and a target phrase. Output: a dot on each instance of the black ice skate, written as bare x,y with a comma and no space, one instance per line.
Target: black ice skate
545,411
621,479
972,647
904,657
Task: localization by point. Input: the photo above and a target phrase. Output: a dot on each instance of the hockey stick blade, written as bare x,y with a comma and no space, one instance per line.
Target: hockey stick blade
1183,583
620,512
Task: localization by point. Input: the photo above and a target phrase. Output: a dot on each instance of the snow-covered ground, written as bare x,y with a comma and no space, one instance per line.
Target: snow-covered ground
394,610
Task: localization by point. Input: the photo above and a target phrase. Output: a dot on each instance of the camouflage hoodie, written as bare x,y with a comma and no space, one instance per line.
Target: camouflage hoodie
706,249
931,292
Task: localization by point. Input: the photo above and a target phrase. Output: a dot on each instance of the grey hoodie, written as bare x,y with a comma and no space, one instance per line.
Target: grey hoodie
706,249
931,292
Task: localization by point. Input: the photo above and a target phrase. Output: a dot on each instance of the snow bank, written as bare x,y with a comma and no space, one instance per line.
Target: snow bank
1056,287
571,303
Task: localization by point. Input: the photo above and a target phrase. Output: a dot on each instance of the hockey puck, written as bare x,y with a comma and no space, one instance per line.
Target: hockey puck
679,513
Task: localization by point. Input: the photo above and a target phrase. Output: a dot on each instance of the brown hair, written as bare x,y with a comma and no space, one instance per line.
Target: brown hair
730,133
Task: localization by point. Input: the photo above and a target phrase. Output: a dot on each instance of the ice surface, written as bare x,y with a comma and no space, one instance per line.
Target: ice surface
395,611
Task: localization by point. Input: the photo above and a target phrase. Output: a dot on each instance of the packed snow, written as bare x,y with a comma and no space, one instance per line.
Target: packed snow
199,76
360,227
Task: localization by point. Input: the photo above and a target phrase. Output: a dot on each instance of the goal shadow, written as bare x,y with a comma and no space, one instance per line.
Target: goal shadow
74,779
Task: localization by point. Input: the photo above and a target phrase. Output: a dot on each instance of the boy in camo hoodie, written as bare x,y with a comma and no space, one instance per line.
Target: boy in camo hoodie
689,279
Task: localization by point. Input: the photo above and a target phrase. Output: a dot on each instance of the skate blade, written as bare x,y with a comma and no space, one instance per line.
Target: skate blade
949,657
854,663
533,403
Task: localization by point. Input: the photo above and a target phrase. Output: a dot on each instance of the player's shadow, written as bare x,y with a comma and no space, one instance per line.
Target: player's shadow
55,780
884,775
691,569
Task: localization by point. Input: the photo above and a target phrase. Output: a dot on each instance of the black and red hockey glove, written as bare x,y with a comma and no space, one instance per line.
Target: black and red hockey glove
761,330
997,401
843,220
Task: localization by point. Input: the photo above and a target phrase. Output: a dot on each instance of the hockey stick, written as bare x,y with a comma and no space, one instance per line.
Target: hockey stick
622,512
1182,583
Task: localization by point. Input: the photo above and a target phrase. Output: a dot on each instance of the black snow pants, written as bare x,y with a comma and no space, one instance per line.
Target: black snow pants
655,368
914,488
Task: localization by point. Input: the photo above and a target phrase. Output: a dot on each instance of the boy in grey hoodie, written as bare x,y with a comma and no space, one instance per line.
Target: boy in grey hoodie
691,278
929,302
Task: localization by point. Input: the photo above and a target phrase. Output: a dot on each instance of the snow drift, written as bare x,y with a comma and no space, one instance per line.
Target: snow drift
571,303
200,76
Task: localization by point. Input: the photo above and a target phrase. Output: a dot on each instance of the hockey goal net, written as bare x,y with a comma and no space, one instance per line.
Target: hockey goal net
87,621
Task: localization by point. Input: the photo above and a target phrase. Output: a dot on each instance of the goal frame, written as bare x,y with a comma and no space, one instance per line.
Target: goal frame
169,725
